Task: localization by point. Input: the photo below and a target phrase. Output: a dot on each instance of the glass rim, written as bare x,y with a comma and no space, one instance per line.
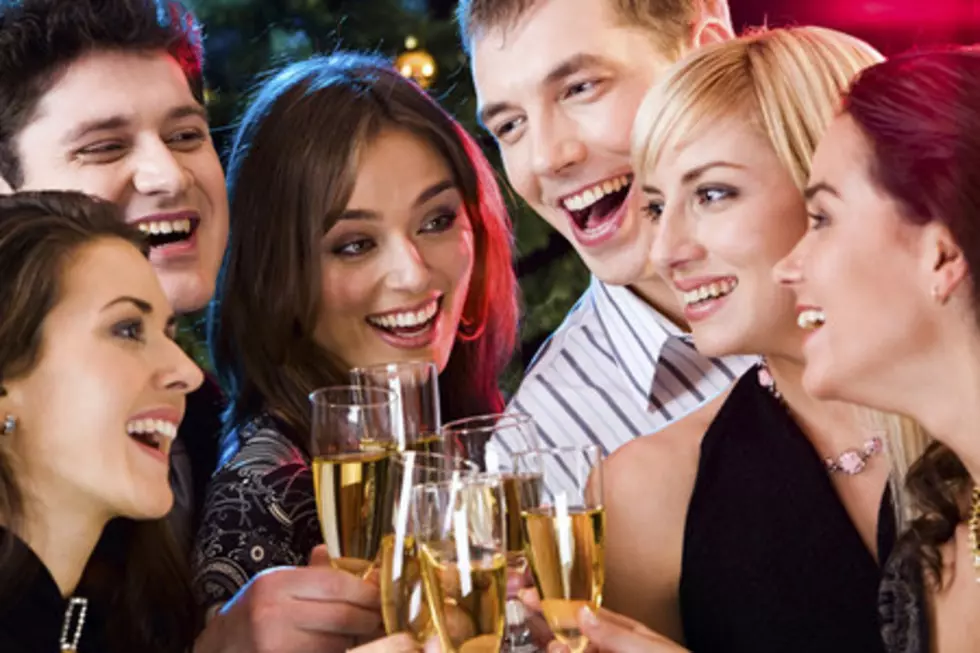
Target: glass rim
399,458
481,422
540,451
319,397
389,367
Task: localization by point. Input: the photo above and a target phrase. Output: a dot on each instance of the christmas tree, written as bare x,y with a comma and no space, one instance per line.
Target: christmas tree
246,38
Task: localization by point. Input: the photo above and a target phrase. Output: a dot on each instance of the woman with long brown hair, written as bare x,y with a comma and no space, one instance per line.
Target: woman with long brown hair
92,390
366,228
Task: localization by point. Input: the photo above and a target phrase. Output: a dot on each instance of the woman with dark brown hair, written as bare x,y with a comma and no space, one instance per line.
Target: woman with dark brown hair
887,285
366,227
92,390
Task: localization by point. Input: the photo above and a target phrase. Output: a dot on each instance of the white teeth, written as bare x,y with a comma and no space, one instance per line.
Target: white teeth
709,291
165,428
592,195
407,319
165,226
811,318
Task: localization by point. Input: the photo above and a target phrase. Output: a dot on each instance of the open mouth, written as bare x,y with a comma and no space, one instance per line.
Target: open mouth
709,291
161,233
408,324
591,209
155,434
810,319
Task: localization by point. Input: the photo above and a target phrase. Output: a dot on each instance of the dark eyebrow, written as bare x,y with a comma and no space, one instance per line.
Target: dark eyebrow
119,121
563,69
818,187
432,191
142,305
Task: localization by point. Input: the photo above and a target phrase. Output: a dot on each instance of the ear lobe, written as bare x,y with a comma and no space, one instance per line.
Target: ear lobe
708,31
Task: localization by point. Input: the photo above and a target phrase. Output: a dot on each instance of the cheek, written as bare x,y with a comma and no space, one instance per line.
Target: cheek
345,294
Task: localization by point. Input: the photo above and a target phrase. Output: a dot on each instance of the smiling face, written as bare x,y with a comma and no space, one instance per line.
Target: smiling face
125,127
860,273
99,410
559,92
396,266
727,210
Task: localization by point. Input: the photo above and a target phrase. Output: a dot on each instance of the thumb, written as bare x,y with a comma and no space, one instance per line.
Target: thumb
623,636
319,557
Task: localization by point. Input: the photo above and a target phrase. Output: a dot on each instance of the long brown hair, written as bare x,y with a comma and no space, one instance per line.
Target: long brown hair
136,573
291,172
921,114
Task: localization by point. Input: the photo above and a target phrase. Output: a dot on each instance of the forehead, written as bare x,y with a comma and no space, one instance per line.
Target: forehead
515,58
98,272
395,167
141,87
733,139
841,153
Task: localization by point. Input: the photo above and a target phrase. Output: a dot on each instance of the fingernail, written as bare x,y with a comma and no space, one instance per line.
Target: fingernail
587,617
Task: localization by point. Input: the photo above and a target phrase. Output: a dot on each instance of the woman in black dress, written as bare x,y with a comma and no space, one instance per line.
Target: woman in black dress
890,266
752,525
92,390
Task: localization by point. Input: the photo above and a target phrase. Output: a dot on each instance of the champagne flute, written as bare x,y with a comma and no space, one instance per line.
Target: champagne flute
403,605
416,384
352,439
462,560
564,530
489,441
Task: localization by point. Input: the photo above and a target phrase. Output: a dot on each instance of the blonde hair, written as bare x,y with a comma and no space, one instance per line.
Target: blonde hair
788,82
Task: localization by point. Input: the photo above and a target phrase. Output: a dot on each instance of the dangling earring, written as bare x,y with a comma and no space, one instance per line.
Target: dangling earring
9,425
466,330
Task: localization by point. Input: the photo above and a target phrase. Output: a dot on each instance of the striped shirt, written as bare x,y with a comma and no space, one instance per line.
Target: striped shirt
614,370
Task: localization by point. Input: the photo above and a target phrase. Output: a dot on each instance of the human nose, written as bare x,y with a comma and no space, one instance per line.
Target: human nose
555,146
158,172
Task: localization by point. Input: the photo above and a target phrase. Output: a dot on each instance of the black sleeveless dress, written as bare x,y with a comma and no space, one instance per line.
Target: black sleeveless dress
771,561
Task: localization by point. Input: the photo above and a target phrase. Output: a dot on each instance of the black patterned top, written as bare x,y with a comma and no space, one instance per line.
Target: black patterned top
260,512
901,604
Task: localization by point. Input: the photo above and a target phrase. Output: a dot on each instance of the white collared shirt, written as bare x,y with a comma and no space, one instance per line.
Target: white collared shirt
617,369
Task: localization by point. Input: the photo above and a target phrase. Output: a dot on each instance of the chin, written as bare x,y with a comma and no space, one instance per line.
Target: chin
821,383
155,504
187,291
617,268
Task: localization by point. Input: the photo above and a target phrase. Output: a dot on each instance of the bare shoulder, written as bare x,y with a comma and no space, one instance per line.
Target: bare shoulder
647,487
660,457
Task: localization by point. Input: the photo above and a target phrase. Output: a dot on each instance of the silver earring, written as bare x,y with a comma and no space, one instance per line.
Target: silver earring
9,425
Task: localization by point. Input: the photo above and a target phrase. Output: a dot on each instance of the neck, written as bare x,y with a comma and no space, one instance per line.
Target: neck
946,405
63,540
831,426
655,292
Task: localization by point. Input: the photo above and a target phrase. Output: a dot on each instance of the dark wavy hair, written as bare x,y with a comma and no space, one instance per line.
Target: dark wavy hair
921,115
291,172
137,573
39,39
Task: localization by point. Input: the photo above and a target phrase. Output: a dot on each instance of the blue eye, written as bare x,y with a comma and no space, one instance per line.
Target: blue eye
712,194
131,329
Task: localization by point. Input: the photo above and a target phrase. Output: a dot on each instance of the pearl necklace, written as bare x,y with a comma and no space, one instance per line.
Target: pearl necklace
851,461
82,604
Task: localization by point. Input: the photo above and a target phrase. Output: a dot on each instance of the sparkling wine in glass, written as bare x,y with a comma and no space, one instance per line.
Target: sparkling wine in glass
564,529
403,603
462,560
352,440
490,441
416,384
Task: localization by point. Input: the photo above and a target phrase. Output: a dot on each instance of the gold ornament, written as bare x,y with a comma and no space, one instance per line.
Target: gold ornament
417,65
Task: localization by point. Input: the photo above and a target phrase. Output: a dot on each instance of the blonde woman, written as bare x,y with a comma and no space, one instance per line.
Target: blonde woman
753,524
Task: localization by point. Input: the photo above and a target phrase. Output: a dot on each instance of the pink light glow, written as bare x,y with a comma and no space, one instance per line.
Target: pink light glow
952,14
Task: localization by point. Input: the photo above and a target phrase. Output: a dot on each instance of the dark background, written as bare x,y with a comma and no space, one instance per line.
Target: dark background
247,37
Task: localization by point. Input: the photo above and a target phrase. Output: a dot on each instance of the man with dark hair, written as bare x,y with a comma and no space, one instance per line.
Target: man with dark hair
558,85
106,97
